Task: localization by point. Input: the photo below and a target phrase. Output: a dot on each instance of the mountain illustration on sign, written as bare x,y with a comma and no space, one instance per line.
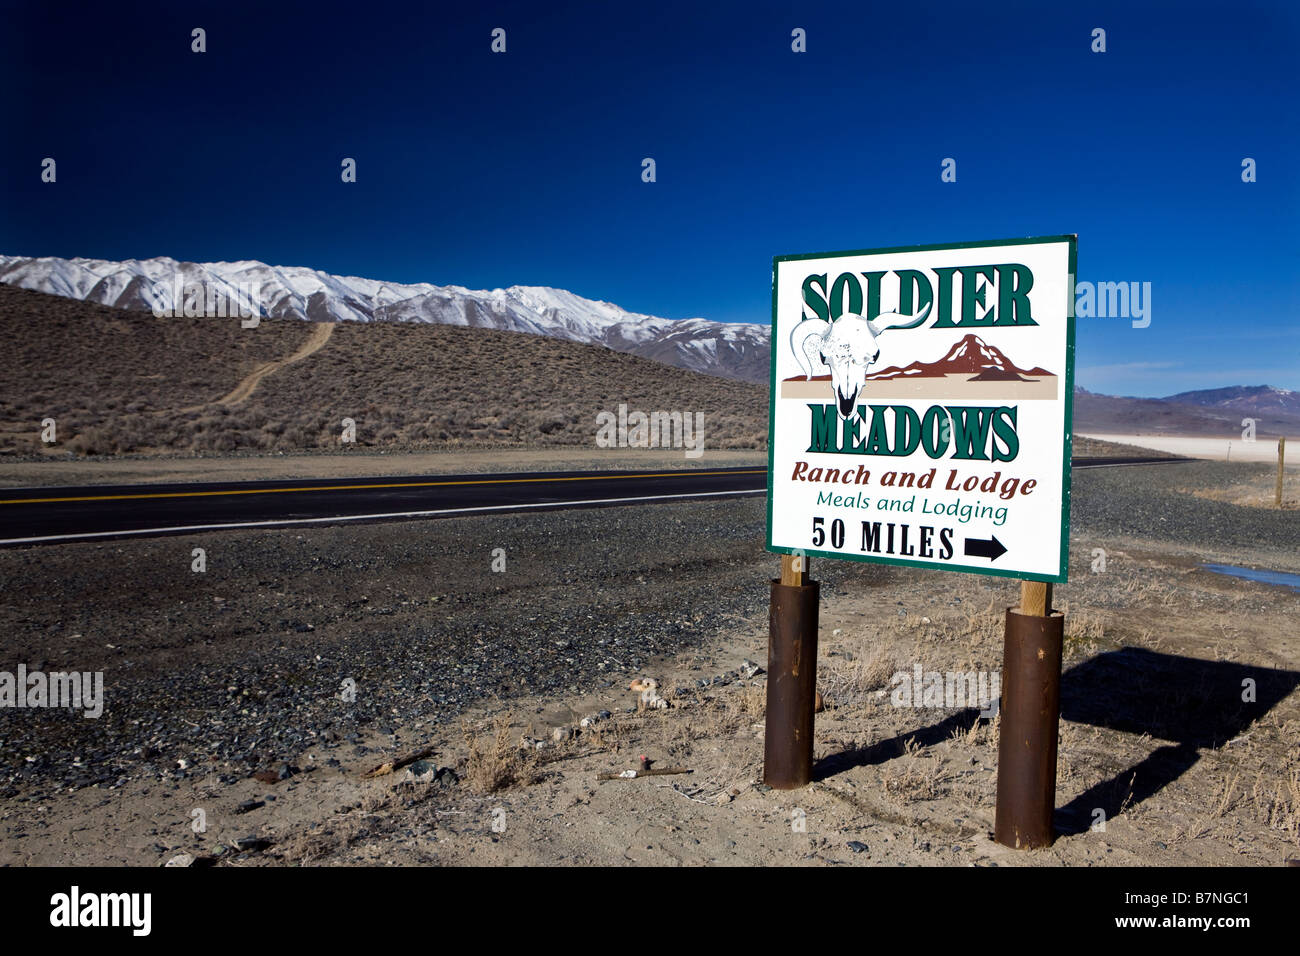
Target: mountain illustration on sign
971,367
971,355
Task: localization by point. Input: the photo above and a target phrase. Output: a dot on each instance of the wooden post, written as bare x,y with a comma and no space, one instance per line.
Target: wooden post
1035,598
1030,718
793,568
791,677
1281,458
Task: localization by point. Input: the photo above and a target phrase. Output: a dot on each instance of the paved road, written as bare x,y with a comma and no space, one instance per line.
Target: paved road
54,515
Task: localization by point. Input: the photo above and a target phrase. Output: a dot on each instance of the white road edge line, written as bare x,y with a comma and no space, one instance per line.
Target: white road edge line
394,514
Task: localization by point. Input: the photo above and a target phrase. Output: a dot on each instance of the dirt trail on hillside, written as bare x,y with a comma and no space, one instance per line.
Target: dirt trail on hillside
315,342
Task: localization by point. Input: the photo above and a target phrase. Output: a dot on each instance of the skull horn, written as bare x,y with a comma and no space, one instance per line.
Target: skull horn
912,321
804,331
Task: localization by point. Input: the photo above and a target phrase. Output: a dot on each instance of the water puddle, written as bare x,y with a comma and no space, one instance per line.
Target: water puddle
1280,578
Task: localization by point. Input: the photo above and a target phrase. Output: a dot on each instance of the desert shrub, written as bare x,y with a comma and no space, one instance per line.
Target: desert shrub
551,423
218,441
92,441
498,762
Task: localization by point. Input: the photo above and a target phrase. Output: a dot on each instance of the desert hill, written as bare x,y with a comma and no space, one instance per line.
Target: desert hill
1187,414
123,381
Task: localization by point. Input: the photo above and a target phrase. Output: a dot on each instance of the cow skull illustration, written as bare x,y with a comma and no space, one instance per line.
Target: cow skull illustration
848,347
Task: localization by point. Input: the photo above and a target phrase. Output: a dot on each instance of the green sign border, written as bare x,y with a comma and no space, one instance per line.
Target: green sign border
1063,569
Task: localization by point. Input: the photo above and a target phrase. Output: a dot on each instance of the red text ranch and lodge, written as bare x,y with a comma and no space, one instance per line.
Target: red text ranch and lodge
1006,489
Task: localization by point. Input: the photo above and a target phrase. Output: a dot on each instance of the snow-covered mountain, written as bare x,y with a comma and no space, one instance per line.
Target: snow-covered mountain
730,349
1249,399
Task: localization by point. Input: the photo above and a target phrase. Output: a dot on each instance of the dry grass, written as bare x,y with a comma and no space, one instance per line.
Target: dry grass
1281,808
746,705
849,679
496,762
734,713
917,775
351,824
1085,633
1217,809
609,736
1274,794
1259,493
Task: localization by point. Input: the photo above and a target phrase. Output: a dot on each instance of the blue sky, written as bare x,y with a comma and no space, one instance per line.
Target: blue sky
489,170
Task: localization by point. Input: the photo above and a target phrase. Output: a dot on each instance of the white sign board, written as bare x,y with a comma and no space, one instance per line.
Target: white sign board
920,409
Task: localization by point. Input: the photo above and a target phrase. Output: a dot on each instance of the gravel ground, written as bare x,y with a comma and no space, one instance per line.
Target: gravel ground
245,663
1141,501
241,668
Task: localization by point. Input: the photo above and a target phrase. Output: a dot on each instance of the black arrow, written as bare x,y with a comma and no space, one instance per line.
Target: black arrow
990,548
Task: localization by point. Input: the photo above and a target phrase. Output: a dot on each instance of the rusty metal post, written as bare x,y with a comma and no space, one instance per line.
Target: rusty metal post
791,684
1030,712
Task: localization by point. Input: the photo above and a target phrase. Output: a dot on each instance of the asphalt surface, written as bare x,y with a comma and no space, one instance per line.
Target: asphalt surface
54,515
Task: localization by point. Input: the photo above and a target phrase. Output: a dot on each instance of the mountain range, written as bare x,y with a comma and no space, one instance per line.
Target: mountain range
1257,399
735,350
1215,412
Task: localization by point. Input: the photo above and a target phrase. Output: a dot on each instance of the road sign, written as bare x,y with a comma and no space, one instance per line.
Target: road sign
920,406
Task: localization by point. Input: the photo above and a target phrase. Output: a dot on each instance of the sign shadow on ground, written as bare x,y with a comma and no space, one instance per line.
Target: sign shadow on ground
1185,703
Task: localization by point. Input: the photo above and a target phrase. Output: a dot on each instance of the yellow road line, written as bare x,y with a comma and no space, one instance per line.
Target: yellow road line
398,484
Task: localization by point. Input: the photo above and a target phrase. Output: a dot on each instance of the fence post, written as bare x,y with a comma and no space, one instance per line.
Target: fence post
1281,457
